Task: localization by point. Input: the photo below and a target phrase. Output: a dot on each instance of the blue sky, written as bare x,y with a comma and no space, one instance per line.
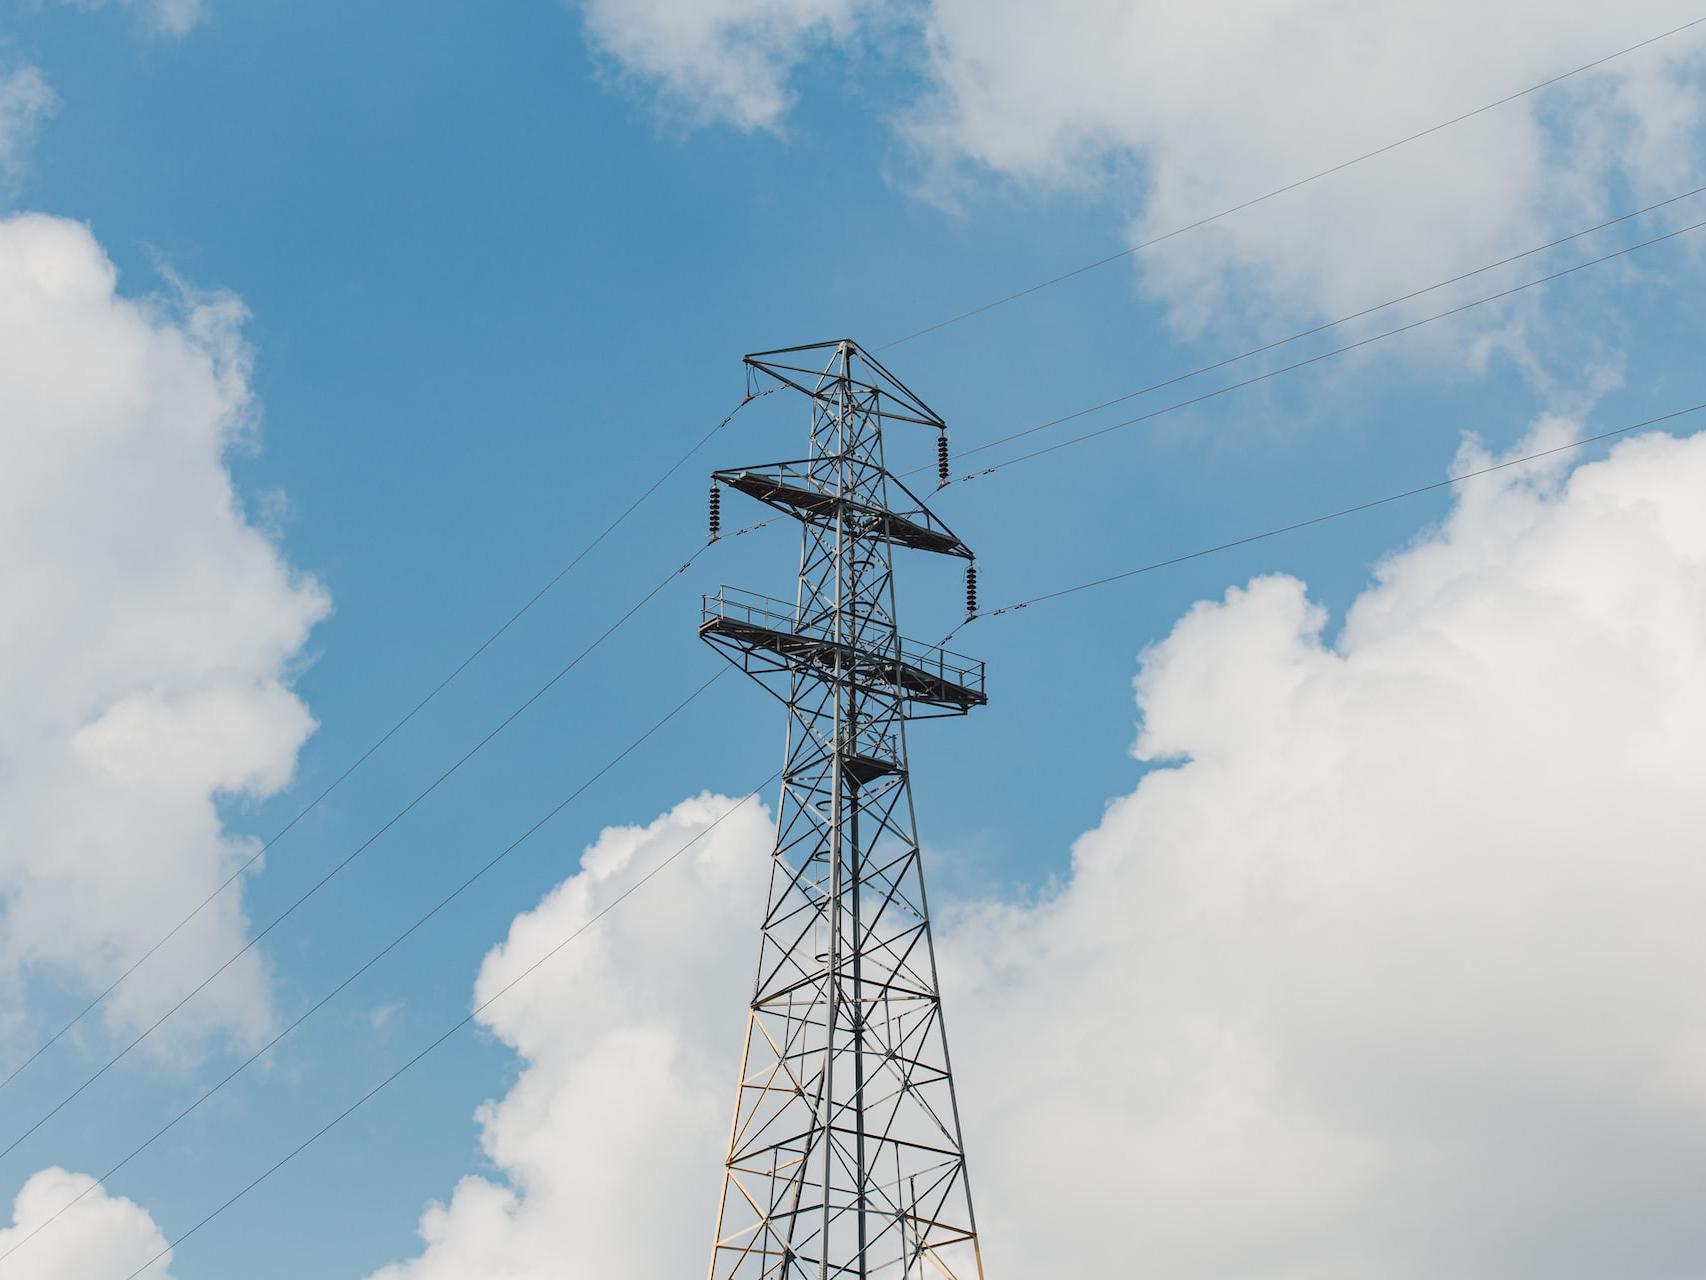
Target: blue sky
497,268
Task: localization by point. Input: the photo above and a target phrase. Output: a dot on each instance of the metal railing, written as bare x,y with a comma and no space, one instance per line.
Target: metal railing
748,608
732,604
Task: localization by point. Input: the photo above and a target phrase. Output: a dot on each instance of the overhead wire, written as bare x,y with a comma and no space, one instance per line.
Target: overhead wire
338,867
671,858
97,1000
1017,606
377,956
986,471
1009,462
1288,187
651,873
622,516
1311,521
1314,330
1300,364
385,737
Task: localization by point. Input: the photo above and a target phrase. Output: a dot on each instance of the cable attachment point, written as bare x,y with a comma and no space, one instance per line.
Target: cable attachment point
941,458
971,592
716,511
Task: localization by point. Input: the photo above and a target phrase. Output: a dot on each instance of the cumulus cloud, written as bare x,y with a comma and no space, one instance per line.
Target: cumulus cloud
1182,111
1175,112
628,1062
144,672
101,1235
1389,970
1387,967
719,61
26,99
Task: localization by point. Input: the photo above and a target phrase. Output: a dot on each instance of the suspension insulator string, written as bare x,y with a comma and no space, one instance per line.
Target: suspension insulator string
716,512
941,457
971,592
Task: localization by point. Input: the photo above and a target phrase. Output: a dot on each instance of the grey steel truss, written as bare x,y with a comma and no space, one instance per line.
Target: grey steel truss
845,1157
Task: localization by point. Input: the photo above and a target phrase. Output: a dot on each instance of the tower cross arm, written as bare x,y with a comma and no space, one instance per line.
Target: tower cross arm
792,488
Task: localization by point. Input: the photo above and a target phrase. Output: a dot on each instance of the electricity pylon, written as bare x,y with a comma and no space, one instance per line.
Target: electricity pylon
845,1157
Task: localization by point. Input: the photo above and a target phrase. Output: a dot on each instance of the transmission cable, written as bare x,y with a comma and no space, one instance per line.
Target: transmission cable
360,848
385,737
623,516
373,960
1317,329
1290,186
1289,368
668,472
1311,521
464,1021
986,471
668,860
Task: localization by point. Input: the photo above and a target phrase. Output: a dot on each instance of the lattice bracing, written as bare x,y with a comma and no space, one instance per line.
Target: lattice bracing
845,1155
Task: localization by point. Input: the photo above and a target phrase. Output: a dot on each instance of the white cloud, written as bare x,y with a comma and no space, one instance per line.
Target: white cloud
144,669
102,1236
1183,111
627,1062
1392,972
1389,969
721,61
1175,111
26,99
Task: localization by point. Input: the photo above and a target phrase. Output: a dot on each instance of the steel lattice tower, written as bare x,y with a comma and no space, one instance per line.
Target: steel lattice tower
845,1157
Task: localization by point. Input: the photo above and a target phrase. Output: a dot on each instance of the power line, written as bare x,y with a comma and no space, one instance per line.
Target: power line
675,466
373,960
1290,186
1296,525
358,850
1301,364
1320,328
667,861
654,591
505,626
455,1027
100,998
621,518
379,742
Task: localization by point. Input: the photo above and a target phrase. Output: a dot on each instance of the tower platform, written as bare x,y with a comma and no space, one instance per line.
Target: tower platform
928,675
